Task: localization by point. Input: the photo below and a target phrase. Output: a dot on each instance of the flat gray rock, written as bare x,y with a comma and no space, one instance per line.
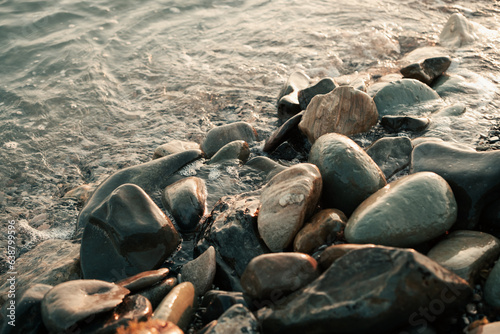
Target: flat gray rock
200,271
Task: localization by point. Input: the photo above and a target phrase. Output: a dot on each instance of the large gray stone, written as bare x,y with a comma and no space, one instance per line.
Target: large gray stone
473,176
466,252
286,202
349,174
398,95
275,275
224,134
371,290
345,110
186,200
405,213
457,32
178,306
391,154
126,235
150,176
50,262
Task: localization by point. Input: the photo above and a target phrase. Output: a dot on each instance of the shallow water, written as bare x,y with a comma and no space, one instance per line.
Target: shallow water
90,87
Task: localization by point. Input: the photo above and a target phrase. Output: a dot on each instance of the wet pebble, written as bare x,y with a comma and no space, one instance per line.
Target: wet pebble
428,70
235,150
219,136
216,302
178,306
143,280
391,154
405,123
324,86
457,32
237,319
200,271
288,100
173,147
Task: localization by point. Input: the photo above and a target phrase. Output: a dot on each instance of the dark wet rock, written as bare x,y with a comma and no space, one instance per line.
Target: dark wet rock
324,228
288,100
200,271
26,313
428,70
265,166
133,308
186,200
398,95
492,287
466,252
453,110
270,277
491,328
391,284
324,86
349,174
335,252
235,150
237,319
156,293
473,176
126,235
404,123
70,302
219,136
286,202
216,302
173,147
414,209
143,280
286,152
50,262
288,130
391,154
345,110
178,306
457,32
448,84
150,176
490,219
232,229
149,327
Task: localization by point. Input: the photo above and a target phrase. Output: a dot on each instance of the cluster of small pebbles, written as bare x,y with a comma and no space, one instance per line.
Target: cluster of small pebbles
397,237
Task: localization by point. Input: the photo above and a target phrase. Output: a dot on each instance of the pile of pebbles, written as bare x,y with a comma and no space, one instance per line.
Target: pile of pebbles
400,237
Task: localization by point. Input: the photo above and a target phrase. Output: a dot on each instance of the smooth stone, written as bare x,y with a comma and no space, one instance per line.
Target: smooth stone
428,70
324,228
390,285
491,290
449,84
349,174
200,271
420,140
345,110
391,154
398,95
50,262
466,252
235,150
173,147
186,200
81,193
269,277
152,326
237,319
457,32
156,293
73,301
288,100
216,302
473,176
287,200
355,80
324,86
133,308
265,165
150,176
409,211
335,252
219,136
126,235
421,53
27,311
454,110
143,280
405,123
287,130
178,306
491,328
231,228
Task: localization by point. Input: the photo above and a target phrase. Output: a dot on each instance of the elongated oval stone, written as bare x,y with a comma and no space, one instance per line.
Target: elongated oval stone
406,212
178,306
286,201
